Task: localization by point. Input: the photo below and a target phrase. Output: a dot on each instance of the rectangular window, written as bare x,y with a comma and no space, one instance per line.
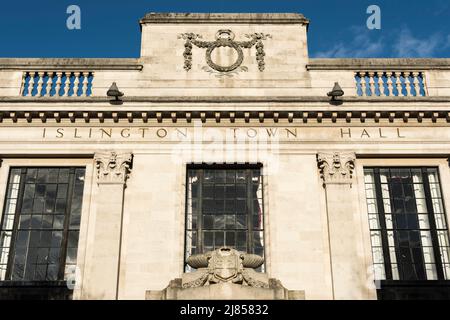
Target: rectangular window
224,207
40,223
408,226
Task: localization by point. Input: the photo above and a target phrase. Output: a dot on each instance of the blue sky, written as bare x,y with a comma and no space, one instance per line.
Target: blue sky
109,28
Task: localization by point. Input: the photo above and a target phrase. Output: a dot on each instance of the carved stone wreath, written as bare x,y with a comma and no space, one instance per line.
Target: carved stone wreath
224,38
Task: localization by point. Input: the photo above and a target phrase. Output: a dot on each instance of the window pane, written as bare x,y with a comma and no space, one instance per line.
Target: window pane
407,213
231,208
40,231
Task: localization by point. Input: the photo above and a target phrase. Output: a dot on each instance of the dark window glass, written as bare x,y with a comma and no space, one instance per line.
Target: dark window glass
224,207
408,226
40,224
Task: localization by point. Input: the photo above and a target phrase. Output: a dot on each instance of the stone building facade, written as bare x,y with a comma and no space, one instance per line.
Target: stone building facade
225,136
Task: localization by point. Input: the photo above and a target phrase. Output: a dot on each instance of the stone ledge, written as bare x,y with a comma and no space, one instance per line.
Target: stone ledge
247,18
224,99
225,291
379,64
60,64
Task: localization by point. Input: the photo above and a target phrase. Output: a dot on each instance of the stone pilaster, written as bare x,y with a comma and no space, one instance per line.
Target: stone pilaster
348,273
102,272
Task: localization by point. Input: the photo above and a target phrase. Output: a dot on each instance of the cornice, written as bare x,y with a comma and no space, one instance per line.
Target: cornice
392,64
225,99
61,64
317,116
227,18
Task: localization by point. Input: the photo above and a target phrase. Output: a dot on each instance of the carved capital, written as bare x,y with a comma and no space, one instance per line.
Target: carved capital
336,167
112,167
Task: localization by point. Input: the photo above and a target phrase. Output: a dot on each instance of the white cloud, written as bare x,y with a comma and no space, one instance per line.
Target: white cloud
361,45
400,43
408,45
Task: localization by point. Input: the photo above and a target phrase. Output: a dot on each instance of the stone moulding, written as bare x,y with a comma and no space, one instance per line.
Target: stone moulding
225,18
63,64
325,116
399,64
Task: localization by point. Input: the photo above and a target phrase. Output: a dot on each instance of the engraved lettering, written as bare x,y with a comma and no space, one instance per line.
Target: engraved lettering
365,134
349,133
125,133
290,132
143,130
161,133
272,132
75,135
252,133
60,133
107,133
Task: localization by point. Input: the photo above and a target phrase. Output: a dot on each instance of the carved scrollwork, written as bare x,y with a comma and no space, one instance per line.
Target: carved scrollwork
336,167
224,38
112,167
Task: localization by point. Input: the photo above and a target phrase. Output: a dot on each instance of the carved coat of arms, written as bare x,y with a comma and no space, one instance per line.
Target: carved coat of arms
225,265
224,38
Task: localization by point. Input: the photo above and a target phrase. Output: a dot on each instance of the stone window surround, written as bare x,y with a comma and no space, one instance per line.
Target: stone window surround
181,182
360,163
6,165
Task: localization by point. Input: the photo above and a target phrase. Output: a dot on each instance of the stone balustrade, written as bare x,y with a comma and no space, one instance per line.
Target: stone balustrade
91,77
390,83
57,83
74,78
392,78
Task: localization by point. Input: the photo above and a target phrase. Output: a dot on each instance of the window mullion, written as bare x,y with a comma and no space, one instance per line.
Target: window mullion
433,228
382,221
16,224
200,211
63,250
249,212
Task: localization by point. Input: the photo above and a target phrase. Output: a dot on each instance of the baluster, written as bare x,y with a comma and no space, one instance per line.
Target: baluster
380,83
76,83
58,83
40,85
372,83
23,92
408,83
90,84
357,82
390,84
398,82
31,83
363,84
48,87
84,86
67,84
415,84
424,84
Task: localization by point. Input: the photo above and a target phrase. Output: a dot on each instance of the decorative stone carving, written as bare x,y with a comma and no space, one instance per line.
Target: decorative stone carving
336,167
225,274
225,265
224,38
112,167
